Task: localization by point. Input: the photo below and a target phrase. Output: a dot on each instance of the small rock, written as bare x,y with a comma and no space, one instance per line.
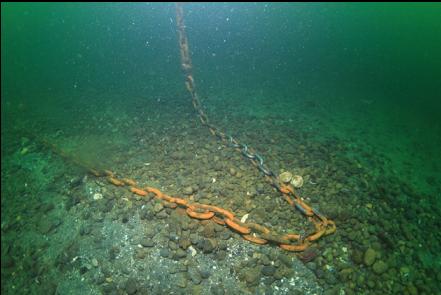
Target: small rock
311,265
357,256
181,281
164,252
195,276
379,267
268,270
205,273
285,259
184,243
188,190
158,207
345,274
47,207
252,276
412,289
162,215
208,231
150,233
180,253
209,245
131,286
145,242
369,257
94,262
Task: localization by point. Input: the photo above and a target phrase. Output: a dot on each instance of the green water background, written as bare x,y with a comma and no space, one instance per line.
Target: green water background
366,73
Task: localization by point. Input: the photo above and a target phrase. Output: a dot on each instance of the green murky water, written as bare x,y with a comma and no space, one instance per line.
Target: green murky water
346,95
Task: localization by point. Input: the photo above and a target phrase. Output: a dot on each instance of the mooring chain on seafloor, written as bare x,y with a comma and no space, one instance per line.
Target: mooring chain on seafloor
252,232
323,225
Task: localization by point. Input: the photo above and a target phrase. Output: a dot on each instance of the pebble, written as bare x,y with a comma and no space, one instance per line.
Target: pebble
208,231
268,270
146,242
357,256
252,276
285,259
195,276
184,243
188,190
209,245
180,253
46,225
131,286
150,233
369,257
181,280
164,252
379,267
158,207
311,265
205,273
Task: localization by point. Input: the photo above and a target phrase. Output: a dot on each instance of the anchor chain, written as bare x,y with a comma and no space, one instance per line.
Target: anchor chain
323,225
250,231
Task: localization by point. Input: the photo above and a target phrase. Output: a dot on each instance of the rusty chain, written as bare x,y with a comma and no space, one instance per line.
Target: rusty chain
250,231
323,225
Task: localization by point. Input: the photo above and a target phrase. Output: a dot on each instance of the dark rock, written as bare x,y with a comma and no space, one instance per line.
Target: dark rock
146,242
357,256
268,270
195,276
180,254
311,265
330,278
162,215
208,231
184,243
131,286
225,235
209,245
252,276
345,274
164,252
45,225
47,207
221,255
285,259
205,273
379,267
7,262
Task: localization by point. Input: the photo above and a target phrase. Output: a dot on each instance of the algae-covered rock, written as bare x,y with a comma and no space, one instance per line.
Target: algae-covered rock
369,257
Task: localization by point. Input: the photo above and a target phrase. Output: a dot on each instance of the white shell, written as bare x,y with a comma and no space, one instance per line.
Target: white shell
297,181
244,218
97,196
